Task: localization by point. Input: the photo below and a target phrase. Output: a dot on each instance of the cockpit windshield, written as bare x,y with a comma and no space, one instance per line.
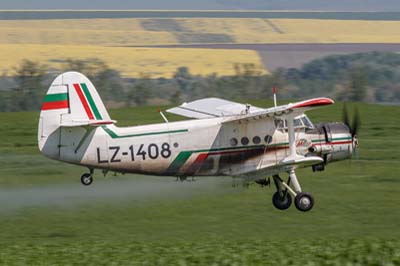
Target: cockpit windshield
301,121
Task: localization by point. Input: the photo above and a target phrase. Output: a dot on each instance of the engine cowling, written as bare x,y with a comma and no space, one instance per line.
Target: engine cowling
338,143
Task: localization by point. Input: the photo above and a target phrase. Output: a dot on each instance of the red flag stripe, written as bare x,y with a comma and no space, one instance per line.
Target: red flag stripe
55,105
83,101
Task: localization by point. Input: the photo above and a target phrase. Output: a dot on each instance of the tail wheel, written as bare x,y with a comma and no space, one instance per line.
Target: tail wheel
281,202
86,179
304,201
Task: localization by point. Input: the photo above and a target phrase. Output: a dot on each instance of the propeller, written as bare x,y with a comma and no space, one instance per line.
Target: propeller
356,121
354,126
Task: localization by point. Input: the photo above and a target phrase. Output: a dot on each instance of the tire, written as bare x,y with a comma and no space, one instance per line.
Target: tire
86,179
281,203
304,201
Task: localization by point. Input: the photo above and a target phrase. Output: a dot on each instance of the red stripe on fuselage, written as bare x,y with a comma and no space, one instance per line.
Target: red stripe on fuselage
55,105
83,101
197,164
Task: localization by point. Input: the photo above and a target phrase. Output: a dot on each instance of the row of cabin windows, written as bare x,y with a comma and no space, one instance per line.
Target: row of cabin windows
245,140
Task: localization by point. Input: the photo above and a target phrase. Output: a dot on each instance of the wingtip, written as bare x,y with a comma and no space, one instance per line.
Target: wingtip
314,102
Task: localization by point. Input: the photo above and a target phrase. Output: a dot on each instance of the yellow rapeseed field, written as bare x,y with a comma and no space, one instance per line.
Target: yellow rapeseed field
337,31
156,62
107,32
109,39
256,30
125,32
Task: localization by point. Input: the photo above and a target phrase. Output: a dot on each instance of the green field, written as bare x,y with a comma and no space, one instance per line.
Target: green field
48,218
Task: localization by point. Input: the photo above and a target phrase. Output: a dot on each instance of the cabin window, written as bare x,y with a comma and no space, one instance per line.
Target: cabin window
256,140
268,139
245,141
233,141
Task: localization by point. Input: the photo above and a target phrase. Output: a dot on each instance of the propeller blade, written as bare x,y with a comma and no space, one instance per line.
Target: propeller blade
356,122
345,116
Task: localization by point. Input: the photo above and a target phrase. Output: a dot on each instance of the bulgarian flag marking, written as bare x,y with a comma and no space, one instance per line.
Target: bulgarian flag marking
55,101
87,101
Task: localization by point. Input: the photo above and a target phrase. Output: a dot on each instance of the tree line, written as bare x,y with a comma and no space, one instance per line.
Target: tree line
371,77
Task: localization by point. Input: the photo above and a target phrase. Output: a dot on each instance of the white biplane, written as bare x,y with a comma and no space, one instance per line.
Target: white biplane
224,138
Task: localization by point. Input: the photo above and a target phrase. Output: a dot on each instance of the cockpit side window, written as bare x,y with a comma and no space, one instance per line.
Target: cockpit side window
307,122
299,122
279,123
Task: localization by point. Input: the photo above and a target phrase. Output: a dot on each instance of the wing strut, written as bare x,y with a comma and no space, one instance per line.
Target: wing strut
292,151
292,139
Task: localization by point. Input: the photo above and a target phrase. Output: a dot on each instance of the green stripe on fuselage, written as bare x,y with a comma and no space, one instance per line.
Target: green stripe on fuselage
114,135
334,139
179,160
183,156
91,102
56,97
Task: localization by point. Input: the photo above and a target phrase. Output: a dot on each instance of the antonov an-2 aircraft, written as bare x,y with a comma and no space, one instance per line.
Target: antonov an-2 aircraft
224,138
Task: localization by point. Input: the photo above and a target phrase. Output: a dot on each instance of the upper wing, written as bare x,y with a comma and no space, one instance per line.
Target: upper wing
295,109
213,107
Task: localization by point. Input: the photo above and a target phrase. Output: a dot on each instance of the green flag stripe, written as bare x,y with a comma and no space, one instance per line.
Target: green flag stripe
114,135
91,102
56,97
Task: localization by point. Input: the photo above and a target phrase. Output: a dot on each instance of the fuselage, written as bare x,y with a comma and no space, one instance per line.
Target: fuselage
201,147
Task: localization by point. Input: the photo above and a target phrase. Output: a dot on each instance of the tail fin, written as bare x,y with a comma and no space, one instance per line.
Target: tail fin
71,100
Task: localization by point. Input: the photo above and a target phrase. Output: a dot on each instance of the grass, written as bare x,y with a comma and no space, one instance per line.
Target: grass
48,218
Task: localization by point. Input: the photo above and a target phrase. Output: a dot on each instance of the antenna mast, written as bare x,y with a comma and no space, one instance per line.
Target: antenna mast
274,92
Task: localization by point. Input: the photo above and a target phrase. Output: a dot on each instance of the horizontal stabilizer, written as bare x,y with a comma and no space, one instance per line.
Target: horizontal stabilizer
79,123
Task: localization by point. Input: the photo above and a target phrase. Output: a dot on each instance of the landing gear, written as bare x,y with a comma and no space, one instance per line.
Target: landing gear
281,202
304,201
87,178
282,198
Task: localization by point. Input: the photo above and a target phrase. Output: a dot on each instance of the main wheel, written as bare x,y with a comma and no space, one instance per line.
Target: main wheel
86,179
304,201
281,203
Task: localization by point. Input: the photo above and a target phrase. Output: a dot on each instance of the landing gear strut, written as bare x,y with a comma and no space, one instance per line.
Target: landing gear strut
282,197
87,178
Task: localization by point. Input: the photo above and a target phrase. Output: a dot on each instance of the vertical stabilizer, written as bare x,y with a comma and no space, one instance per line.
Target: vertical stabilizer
71,98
